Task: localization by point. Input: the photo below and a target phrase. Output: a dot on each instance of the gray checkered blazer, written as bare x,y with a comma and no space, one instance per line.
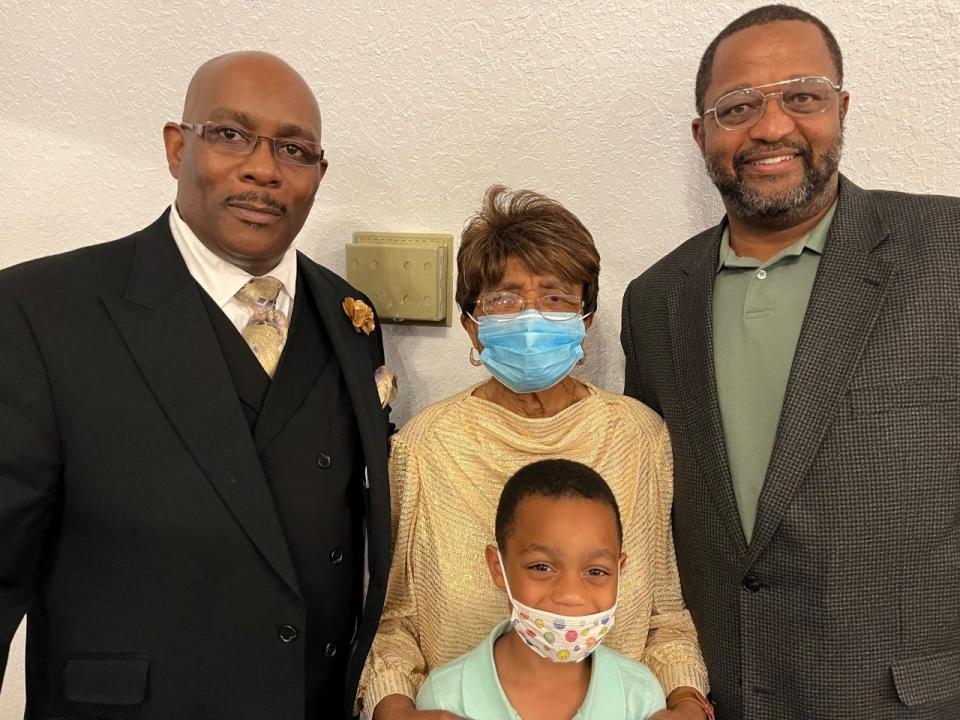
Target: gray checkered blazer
846,604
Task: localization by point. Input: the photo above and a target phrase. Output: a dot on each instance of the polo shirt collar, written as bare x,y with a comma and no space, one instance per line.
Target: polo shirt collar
483,695
606,695
815,241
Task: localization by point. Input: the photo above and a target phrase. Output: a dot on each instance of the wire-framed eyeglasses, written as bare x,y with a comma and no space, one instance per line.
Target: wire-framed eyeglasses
232,140
558,307
799,97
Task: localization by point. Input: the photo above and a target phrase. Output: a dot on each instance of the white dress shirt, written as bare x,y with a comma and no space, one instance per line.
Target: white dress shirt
221,280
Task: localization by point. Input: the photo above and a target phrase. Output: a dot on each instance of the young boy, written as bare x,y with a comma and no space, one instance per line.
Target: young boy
558,558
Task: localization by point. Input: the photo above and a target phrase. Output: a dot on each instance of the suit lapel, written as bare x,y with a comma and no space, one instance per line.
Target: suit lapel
167,330
690,307
848,292
351,352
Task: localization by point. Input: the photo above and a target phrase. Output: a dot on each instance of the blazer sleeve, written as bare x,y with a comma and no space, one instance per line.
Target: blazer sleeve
395,664
29,465
672,650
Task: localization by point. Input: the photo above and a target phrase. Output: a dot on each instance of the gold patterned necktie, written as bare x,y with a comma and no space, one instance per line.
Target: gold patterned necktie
266,330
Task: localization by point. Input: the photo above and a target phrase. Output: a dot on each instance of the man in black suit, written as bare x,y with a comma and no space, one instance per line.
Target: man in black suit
805,354
186,523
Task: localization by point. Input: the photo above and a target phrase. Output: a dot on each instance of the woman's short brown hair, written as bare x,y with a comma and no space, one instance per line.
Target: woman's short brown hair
538,231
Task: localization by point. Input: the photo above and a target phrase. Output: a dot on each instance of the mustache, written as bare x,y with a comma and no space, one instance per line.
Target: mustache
255,198
745,156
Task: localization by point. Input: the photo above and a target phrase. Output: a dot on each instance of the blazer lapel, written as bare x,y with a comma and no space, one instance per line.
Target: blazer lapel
690,307
167,330
848,292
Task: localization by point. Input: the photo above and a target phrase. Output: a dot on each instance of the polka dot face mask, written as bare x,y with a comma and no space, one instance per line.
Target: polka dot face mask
561,638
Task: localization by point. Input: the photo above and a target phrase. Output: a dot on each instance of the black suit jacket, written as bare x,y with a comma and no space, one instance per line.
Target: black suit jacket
845,604
137,530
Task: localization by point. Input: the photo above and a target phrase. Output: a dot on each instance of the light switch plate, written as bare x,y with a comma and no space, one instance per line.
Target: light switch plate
407,276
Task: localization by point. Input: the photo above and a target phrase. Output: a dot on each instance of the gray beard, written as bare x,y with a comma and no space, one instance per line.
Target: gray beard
785,208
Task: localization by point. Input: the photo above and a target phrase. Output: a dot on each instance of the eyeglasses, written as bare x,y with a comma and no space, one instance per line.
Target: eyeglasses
799,97
556,306
231,140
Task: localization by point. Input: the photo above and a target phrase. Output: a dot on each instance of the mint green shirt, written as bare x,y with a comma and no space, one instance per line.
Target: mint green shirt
620,689
758,309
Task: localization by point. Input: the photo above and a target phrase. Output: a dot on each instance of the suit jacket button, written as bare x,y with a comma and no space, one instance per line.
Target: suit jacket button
336,556
330,649
752,583
288,633
324,461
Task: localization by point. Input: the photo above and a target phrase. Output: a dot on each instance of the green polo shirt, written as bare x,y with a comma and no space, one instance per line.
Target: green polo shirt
757,312
620,689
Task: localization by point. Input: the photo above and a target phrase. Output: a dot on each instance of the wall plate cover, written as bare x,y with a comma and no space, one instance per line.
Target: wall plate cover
407,276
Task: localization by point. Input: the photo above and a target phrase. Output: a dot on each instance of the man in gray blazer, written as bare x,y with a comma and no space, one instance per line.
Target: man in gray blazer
805,354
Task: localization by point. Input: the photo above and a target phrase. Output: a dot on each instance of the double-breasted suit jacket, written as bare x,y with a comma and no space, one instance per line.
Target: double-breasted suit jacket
845,603
187,540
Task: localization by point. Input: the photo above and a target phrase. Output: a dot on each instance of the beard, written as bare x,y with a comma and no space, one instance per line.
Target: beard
781,208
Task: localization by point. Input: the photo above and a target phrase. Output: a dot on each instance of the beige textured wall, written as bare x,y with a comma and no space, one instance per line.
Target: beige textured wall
425,104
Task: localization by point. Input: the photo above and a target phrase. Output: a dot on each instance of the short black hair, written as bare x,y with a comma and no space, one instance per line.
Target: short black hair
551,479
762,16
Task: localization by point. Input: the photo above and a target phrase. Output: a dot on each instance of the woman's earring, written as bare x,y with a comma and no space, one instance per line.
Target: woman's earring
474,361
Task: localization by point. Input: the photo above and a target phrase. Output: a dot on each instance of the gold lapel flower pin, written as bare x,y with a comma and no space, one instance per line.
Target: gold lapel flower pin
360,314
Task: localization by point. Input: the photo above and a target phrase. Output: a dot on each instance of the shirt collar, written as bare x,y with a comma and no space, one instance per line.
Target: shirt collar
606,691
216,276
483,695
814,241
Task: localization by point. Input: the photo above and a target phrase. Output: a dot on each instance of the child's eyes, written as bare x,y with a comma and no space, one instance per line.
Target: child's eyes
595,572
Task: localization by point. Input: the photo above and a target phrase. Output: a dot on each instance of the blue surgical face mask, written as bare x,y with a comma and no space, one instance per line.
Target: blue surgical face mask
526,351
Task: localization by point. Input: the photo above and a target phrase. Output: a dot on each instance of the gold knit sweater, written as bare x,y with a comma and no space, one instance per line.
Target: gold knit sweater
447,468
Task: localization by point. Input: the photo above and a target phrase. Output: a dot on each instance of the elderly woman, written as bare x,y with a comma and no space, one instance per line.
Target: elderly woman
527,288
